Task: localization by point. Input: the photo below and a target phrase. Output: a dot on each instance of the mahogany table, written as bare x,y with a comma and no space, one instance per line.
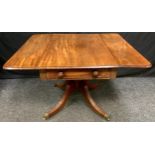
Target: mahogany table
76,58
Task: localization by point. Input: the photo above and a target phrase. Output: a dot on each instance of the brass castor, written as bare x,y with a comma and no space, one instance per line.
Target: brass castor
46,116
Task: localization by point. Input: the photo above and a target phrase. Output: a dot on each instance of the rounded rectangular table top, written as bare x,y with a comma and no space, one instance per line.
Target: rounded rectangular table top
76,51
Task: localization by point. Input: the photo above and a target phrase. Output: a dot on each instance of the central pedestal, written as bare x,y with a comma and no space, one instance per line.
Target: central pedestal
69,87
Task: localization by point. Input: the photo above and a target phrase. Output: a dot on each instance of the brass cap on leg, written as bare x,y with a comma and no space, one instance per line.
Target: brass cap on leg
107,117
46,116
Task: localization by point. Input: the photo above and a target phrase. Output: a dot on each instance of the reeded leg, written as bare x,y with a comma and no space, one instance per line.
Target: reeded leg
60,104
93,105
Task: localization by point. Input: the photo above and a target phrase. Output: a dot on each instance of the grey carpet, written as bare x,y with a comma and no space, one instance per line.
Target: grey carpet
126,99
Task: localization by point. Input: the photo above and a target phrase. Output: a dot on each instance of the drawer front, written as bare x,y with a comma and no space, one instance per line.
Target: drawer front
76,74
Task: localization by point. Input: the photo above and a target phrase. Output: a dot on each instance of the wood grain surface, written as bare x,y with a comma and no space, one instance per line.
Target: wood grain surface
78,74
76,51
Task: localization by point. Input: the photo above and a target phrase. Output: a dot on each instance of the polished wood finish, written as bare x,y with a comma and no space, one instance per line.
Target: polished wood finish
92,104
76,58
78,74
76,51
83,87
60,104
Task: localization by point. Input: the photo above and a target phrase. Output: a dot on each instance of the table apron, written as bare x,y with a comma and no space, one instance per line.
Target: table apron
78,74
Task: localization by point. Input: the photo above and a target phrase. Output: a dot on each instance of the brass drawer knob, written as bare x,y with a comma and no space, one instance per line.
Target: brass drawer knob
60,75
95,74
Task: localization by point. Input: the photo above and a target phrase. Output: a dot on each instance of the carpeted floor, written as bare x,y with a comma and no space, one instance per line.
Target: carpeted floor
126,99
